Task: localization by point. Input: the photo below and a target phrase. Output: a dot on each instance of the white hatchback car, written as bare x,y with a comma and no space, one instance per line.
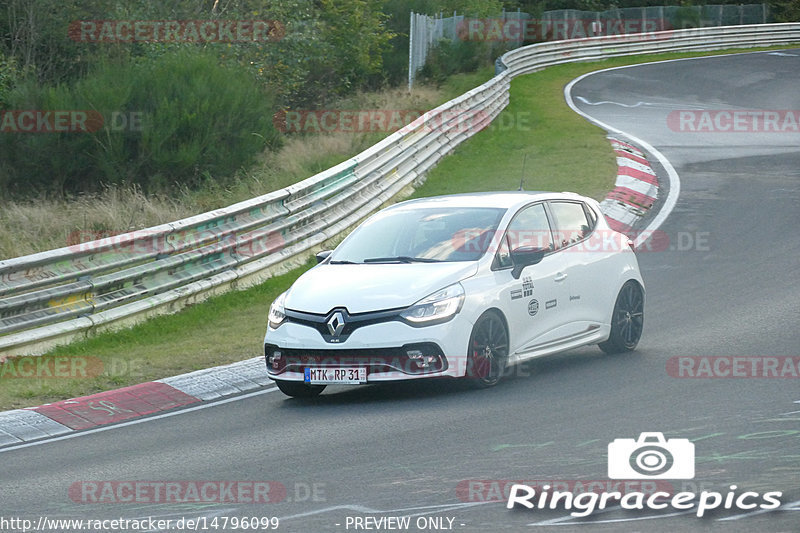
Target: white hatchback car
457,286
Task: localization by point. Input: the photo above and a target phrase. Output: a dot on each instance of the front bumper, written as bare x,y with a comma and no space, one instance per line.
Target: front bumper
391,351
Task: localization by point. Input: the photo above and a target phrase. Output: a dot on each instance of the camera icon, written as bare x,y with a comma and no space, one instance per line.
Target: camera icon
651,457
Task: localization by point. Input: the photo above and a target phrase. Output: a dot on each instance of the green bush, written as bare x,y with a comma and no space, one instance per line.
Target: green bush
686,16
452,57
9,77
173,121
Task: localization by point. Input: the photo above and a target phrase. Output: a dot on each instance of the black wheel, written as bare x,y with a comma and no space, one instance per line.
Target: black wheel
298,389
487,351
627,321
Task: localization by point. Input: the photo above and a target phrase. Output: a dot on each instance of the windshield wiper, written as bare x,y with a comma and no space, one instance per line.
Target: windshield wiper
342,262
402,259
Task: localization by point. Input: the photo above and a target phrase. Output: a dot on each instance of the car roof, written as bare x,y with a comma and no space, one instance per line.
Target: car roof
500,199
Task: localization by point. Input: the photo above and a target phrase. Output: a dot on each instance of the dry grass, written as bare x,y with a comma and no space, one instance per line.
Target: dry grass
47,223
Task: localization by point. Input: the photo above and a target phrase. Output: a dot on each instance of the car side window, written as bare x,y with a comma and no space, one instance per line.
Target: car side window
591,215
503,257
572,224
529,228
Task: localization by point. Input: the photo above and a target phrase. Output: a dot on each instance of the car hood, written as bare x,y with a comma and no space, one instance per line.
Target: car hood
362,288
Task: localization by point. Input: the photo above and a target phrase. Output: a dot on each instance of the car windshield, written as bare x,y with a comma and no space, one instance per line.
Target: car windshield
421,234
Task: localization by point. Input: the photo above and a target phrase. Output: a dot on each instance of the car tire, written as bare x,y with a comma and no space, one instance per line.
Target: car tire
627,320
487,351
298,389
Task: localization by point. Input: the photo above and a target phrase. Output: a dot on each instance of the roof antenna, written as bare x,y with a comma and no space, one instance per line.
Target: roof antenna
522,178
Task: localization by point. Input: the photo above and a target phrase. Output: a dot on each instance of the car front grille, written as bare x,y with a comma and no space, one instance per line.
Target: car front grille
411,359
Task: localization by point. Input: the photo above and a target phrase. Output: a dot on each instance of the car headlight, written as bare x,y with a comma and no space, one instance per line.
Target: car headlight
440,306
277,312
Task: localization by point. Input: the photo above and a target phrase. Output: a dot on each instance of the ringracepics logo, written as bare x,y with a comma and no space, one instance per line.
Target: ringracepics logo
653,457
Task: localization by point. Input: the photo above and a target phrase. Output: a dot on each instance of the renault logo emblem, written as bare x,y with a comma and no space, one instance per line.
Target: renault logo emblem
336,323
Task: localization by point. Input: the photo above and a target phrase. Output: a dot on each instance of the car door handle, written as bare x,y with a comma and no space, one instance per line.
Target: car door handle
560,277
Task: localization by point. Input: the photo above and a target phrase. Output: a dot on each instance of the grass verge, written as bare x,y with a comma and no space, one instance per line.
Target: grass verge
564,152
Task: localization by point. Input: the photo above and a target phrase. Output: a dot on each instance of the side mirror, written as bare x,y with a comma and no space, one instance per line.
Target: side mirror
323,255
525,256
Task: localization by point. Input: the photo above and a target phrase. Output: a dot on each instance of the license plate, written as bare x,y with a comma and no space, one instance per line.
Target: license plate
324,376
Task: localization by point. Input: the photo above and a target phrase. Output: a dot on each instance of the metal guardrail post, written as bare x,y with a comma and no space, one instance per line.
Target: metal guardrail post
411,32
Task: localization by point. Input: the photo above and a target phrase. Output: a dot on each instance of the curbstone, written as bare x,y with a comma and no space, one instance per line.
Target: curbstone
87,412
635,190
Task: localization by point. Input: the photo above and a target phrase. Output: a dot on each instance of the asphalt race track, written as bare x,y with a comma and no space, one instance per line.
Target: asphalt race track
727,285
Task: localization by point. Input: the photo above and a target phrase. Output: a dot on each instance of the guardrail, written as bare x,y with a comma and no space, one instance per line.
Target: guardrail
57,296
